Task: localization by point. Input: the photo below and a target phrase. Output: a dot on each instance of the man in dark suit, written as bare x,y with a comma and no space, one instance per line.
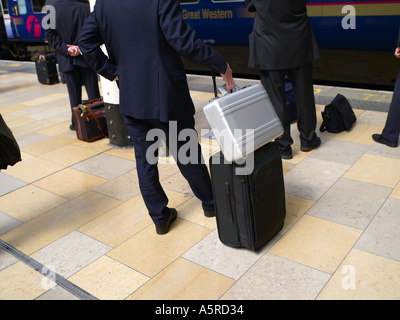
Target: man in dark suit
70,17
283,42
144,40
391,131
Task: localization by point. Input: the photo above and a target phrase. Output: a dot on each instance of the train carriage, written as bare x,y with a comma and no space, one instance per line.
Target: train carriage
356,38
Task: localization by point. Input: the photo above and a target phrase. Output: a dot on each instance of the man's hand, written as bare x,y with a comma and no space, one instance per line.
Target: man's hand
228,78
73,51
397,52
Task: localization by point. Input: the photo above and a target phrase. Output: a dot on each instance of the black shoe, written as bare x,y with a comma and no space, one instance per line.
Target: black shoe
209,214
313,145
72,127
286,153
380,139
165,229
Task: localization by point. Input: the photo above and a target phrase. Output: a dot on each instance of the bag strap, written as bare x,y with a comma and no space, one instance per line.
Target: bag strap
88,109
228,202
325,118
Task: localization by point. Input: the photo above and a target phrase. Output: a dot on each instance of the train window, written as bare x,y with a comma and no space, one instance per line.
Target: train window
188,1
22,6
37,5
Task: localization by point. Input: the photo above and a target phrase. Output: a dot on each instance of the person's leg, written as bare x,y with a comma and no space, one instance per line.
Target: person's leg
273,82
152,192
186,151
302,80
391,130
91,82
74,86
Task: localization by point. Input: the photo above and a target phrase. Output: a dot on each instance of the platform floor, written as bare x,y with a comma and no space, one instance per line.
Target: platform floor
75,207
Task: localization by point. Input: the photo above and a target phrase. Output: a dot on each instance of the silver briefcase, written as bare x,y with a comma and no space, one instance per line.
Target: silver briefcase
243,121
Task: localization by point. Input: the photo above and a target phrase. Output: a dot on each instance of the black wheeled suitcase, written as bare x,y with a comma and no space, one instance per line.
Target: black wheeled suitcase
46,68
250,208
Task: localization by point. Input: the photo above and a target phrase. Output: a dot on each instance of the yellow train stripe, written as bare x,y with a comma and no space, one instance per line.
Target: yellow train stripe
384,9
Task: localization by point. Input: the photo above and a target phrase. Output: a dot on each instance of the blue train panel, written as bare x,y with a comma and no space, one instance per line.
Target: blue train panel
352,25
24,20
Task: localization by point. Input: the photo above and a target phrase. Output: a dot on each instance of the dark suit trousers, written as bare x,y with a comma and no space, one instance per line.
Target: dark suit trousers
196,173
74,80
302,80
391,130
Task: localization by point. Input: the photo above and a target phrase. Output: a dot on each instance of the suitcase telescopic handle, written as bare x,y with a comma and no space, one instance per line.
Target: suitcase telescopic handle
228,202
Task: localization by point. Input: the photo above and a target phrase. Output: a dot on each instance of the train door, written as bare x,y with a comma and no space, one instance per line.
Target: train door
7,20
16,8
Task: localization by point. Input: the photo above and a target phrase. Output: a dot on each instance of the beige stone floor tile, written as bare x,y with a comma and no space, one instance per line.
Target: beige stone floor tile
360,133
296,207
13,115
184,280
69,183
317,243
275,278
69,155
21,282
29,202
122,188
36,126
101,145
375,169
364,276
56,129
125,153
12,109
48,227
193,211
150,253
22,121
119,224
108,279
71,253
126,220
231,262
33,169
46,99
48,145
396,192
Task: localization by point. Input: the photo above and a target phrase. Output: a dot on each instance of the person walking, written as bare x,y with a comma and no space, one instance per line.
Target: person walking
144,40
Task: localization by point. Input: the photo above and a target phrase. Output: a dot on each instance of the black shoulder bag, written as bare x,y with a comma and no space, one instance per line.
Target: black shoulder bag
338,116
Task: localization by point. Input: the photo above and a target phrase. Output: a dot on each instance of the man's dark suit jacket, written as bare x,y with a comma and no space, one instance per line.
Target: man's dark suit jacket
70,17
144,41
282,36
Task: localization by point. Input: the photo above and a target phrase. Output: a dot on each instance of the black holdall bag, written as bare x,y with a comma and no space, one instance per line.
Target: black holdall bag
338,116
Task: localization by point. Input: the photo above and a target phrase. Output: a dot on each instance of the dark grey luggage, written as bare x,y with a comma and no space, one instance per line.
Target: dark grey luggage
46,68
117,129
251,208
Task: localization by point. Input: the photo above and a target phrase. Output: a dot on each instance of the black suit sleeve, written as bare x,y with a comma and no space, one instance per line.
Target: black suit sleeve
90,40
183,38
